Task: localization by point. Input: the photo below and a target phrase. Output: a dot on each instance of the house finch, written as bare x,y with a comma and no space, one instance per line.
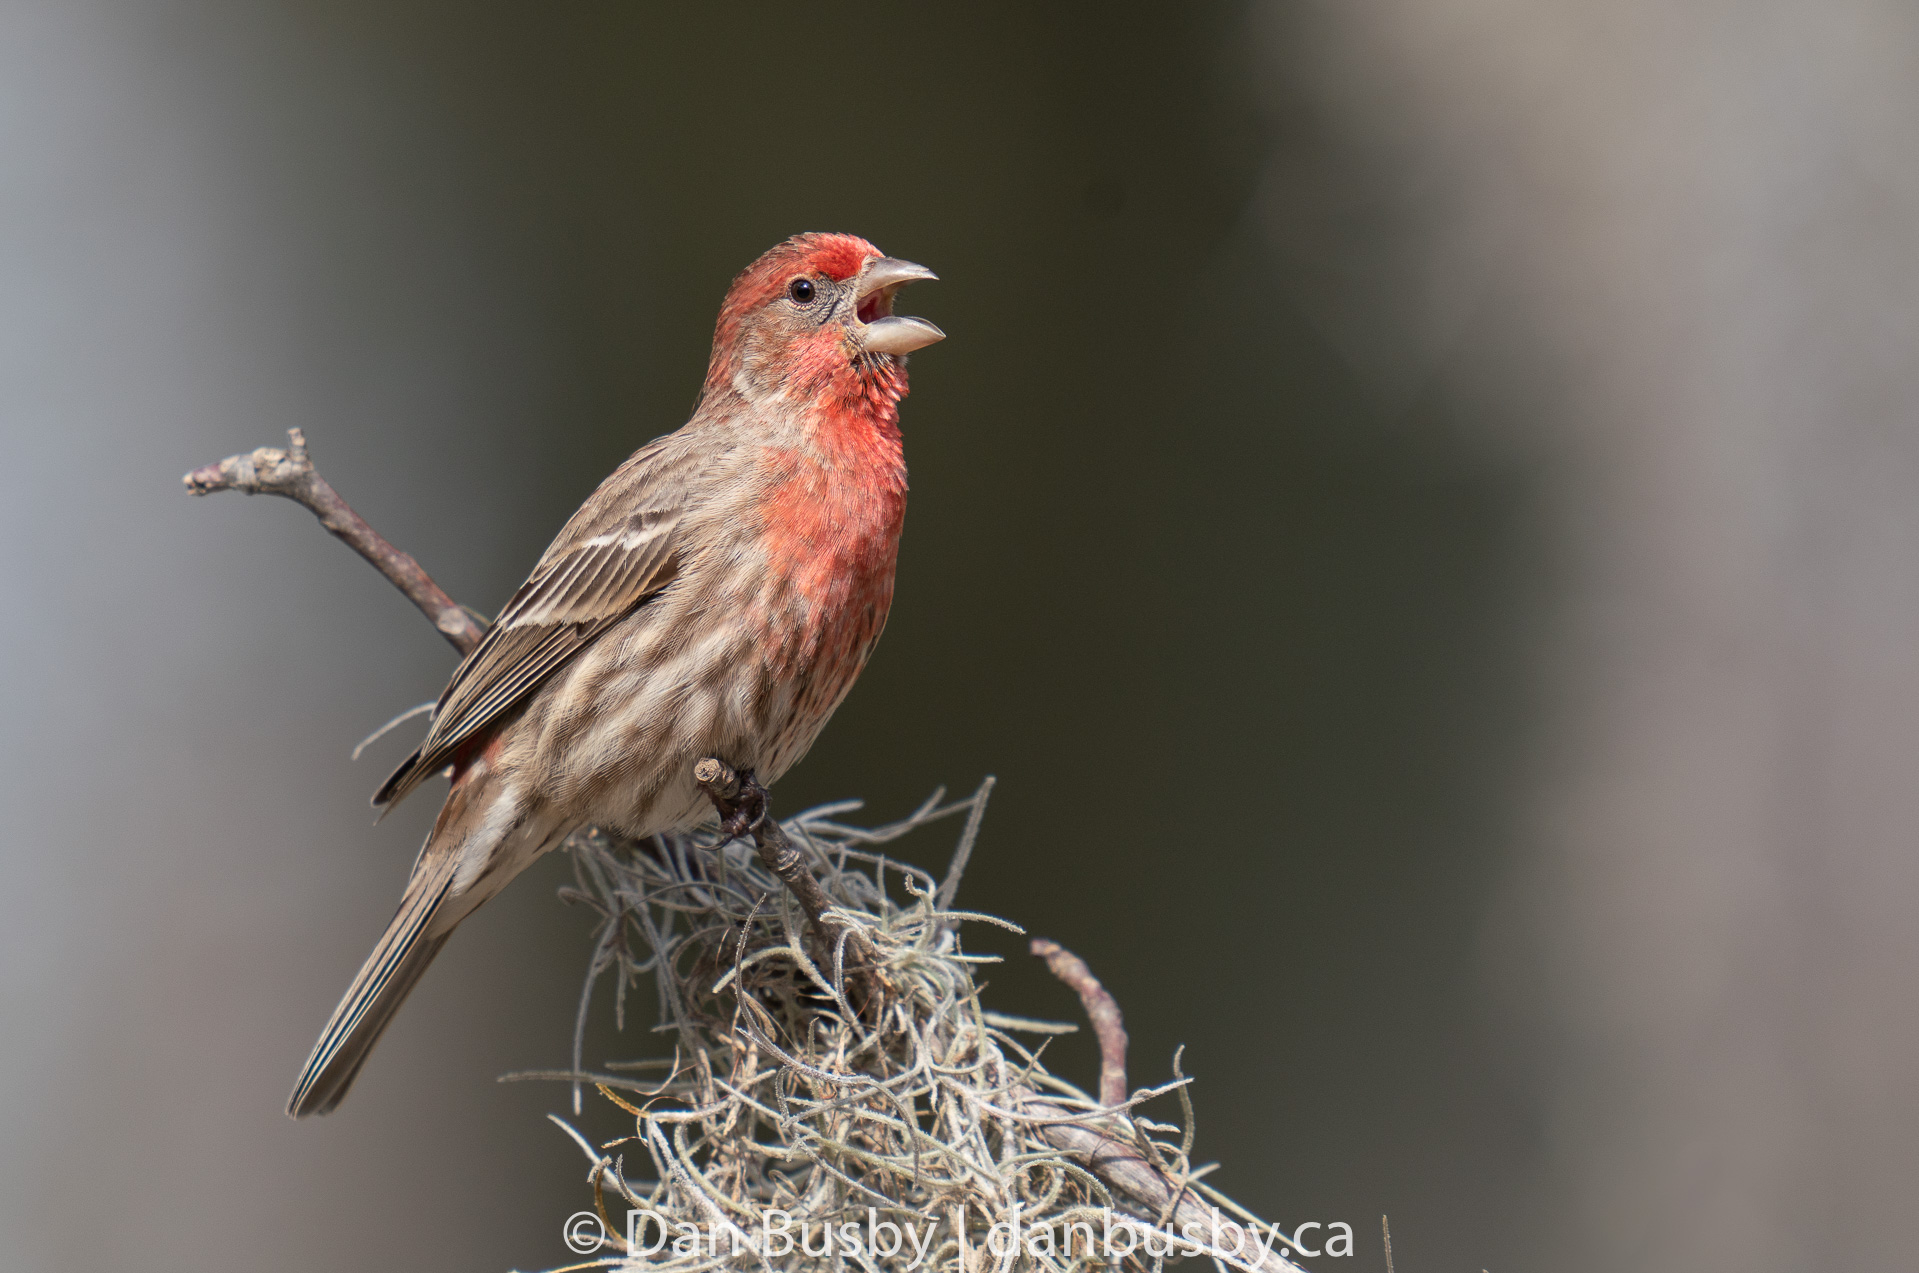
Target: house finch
716,596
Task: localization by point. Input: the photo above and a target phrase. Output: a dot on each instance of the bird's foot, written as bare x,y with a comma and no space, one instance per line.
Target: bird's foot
749,808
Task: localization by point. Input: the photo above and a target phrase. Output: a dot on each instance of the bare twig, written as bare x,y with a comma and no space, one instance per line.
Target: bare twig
1387,1232
949,887
290,473
744,809
1120,1164
1117,1161
418,709
1101,1008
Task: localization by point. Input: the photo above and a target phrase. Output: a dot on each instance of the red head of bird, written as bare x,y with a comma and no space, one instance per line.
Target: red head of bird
813,319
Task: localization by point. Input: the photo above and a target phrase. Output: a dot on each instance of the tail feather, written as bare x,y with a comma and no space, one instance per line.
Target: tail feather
476,846
389,974
398,783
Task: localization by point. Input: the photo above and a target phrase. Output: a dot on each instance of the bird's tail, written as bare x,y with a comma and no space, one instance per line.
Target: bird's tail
476,846
389,974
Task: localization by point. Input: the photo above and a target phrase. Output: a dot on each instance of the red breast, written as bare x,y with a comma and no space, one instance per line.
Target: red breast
831,535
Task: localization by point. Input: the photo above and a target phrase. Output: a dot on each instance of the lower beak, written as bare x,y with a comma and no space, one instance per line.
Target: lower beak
881,330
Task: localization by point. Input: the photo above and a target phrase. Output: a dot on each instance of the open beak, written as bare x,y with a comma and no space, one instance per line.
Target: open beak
882,331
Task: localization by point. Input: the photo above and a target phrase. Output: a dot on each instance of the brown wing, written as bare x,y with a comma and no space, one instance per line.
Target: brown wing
620,549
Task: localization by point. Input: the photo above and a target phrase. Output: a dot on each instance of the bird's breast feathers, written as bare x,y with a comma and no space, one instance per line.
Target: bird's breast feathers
829,537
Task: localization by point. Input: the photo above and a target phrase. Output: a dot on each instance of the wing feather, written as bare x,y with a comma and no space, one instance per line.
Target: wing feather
620,549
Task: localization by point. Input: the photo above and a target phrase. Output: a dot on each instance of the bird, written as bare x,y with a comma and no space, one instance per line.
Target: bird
717,595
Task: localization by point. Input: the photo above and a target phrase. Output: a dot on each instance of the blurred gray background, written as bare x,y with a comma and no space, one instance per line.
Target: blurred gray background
1420,509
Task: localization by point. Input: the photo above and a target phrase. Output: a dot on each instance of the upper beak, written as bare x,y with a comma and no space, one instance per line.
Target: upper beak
883,332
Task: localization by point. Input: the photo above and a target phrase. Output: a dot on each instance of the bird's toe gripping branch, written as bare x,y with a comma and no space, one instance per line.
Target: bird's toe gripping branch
749,800
745,808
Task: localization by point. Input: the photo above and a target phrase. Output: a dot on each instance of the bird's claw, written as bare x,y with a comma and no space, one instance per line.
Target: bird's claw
749,808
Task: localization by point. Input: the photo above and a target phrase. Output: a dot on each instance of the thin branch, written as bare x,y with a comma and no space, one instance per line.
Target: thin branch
744,808
1120,1164
949,887
1101,1009
1117,1161
418,709
290,474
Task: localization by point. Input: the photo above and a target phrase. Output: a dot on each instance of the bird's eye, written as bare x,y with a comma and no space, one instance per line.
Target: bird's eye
801,290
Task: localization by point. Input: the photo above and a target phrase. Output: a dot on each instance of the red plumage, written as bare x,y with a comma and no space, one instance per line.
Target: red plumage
716,596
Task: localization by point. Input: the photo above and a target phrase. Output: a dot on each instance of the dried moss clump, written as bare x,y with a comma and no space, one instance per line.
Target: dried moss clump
812,1086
